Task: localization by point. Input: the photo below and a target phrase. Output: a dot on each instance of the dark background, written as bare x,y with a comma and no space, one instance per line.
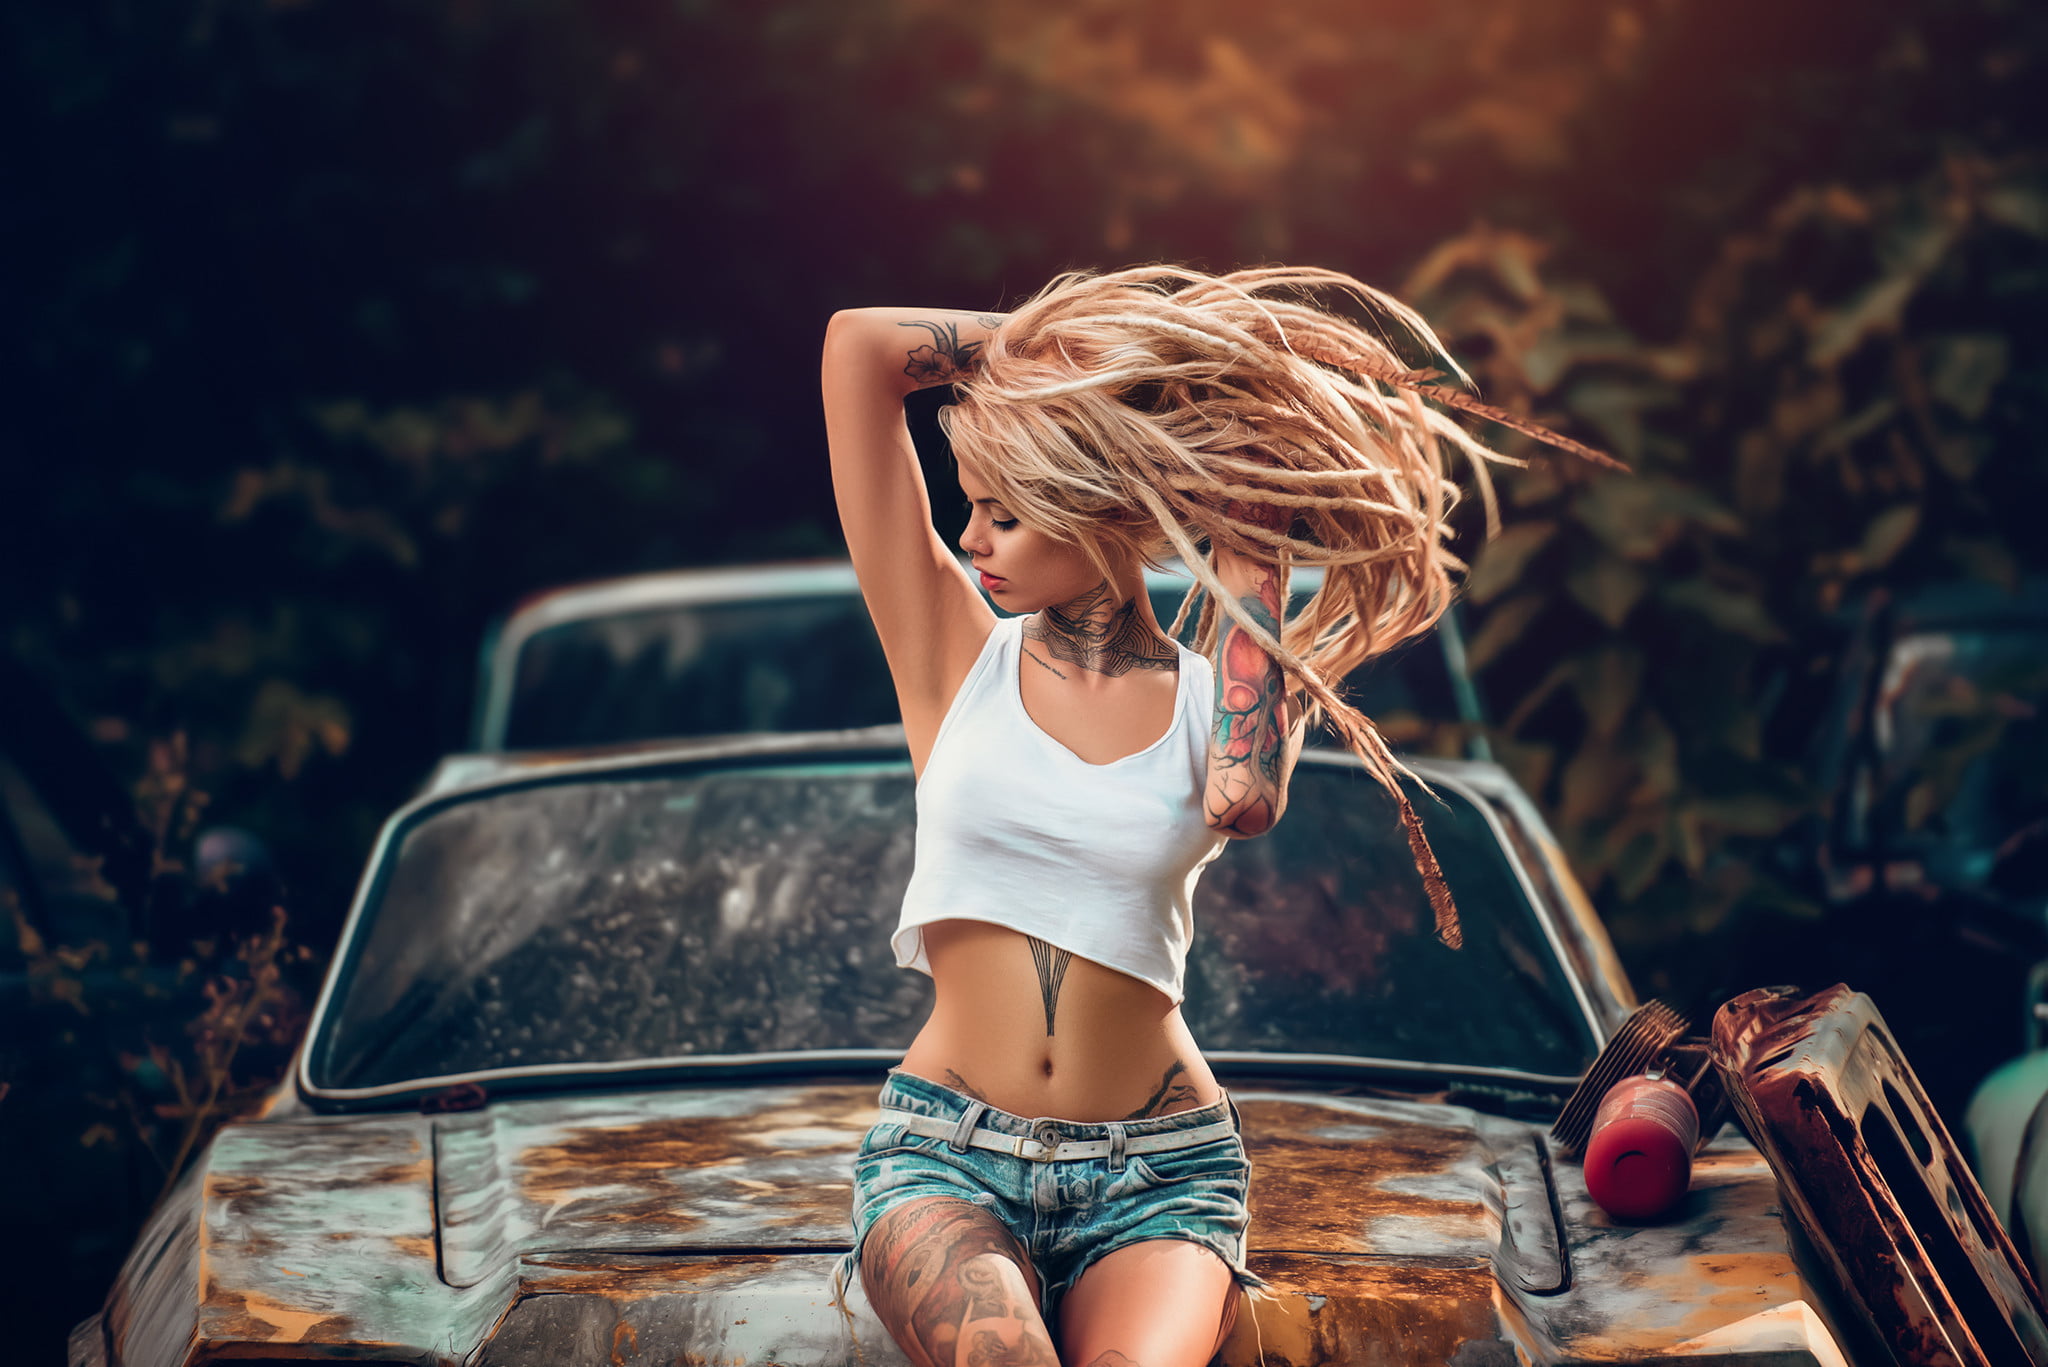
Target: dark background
334,329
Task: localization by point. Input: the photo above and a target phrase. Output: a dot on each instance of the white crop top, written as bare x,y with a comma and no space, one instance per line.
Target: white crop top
1015,829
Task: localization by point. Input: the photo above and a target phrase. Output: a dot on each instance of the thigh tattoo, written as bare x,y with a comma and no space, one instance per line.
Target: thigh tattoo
935,1273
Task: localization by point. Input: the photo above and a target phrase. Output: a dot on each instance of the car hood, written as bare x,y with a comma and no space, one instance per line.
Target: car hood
770,1169
662,1225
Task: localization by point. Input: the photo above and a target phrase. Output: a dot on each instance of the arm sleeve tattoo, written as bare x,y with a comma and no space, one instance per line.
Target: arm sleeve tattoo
1248,746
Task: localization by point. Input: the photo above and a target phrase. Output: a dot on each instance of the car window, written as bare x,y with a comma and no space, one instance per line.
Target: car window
782,664
741,911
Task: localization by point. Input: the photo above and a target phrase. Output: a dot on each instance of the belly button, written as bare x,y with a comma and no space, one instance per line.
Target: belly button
1047,1066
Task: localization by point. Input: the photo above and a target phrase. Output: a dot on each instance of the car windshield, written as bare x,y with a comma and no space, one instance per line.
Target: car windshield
808,663
596,920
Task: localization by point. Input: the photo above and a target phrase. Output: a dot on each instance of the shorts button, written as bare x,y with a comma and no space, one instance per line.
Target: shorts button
1046,1133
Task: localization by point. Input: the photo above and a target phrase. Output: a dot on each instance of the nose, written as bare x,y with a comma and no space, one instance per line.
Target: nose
973,539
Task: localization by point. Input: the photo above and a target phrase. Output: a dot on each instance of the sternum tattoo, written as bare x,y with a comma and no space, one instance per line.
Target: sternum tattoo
1051,962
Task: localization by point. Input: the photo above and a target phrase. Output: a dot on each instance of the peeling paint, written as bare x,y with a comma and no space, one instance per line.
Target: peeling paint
700,1225
1899,1223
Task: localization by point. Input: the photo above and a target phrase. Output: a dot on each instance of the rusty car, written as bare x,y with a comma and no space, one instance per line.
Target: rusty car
587,1074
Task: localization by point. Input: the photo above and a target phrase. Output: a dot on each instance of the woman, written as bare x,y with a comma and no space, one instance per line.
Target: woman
1055,1161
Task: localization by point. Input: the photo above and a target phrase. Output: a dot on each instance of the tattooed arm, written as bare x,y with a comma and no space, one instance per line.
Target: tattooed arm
911,348
931,620
1256,734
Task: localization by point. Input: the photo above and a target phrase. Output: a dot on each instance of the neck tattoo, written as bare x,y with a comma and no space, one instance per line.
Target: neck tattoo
1101,635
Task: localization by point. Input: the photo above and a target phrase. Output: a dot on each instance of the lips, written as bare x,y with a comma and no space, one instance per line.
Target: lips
989,581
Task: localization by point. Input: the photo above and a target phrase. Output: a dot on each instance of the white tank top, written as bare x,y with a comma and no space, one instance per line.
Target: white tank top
1017,830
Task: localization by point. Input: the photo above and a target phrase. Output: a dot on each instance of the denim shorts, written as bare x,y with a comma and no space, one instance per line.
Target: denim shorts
1065,1213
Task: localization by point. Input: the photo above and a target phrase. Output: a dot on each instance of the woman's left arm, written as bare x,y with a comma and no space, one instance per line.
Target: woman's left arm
1256,734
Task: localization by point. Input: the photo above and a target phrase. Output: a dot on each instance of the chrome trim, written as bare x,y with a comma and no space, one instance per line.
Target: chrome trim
801,1061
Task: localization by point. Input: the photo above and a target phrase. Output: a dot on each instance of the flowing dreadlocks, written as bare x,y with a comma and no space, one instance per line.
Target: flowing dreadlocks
1161,409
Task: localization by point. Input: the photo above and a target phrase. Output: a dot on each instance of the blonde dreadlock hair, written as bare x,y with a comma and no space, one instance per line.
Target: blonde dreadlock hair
1160,408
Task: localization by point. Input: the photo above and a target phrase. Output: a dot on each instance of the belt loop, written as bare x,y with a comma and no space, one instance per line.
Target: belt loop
964,1131
1116,1146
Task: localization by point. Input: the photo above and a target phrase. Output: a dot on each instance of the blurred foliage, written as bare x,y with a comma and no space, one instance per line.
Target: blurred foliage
339,327
1806,435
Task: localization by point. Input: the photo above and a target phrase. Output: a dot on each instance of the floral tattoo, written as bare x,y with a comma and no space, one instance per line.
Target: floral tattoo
945,359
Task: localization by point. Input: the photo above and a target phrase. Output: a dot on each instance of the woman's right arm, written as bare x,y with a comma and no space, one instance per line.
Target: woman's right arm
931,621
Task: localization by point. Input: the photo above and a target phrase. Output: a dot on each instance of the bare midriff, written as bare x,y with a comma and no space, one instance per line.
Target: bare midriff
1117,1049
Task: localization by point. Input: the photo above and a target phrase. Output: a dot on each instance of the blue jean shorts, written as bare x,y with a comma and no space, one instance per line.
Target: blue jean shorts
1066,1213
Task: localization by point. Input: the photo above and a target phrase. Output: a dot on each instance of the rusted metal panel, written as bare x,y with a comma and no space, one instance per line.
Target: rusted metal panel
743,1309
151,1313
1638,1291
1895,1214
701,1225
1360,1175
718,1168
320,1234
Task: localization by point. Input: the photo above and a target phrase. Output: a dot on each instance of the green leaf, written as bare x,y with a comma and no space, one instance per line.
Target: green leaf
1880,305
1757,814
1608,587
1592,782
1503,559
1738,613
1966,369
1640,517
1502,627
1759,474
1987,559
2024,207
1888,534
1608,683
1639,860
1615,408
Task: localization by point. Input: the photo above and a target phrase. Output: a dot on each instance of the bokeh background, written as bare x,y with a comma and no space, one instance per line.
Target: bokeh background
334,329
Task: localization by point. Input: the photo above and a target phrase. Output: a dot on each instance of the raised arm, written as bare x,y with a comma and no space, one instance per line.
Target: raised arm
930,619
1256,734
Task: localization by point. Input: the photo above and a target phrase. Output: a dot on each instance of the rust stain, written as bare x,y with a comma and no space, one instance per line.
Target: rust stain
414,1245
396,1174
1859,1150
623,1332
1362,1311
1712,1291
650,1155
252,1316
628,1277
1296,1202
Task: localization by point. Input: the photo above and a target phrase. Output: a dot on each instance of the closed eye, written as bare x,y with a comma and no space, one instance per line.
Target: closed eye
1000,524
